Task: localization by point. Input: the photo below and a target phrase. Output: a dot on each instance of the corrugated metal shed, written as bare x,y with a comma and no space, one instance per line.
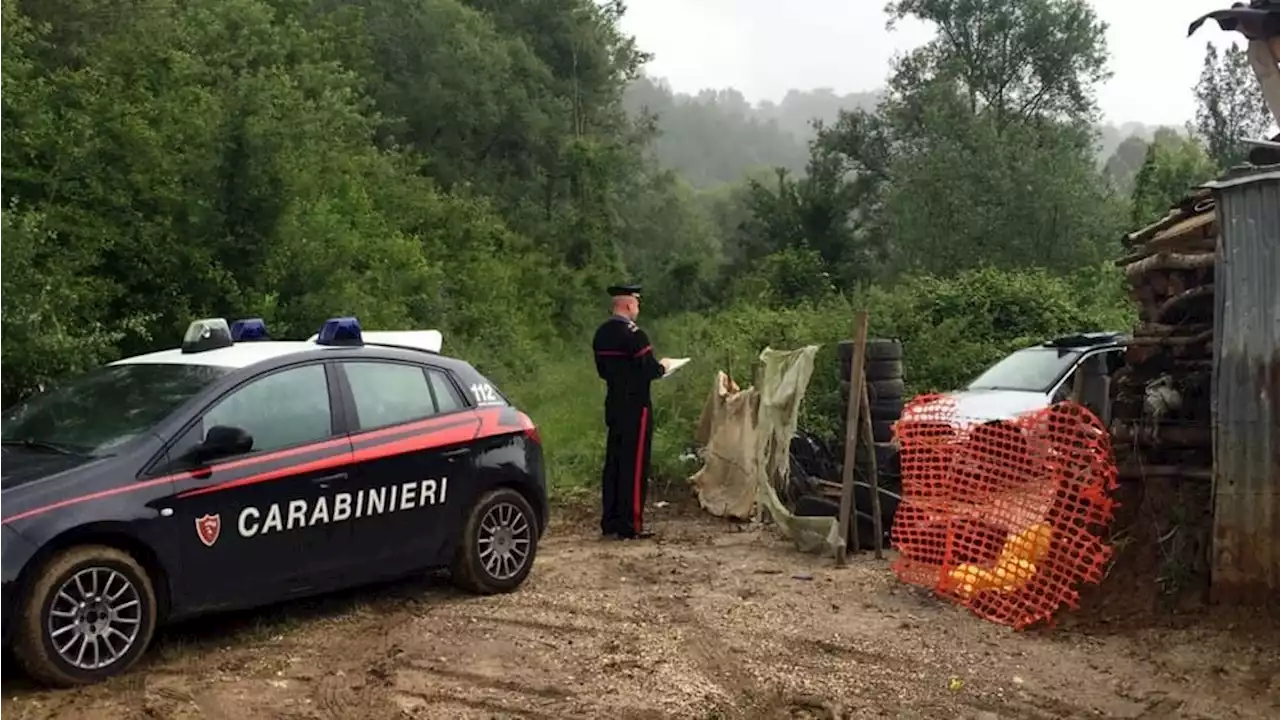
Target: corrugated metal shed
1246,389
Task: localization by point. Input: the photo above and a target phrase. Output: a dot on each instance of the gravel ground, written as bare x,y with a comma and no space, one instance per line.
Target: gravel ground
710,621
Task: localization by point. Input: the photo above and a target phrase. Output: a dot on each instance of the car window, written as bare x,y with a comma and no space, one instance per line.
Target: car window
1094,365
447,397
388,393
1034,369
103,408
280,410
1115,361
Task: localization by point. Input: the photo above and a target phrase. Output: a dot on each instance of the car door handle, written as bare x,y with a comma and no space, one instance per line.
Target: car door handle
324,481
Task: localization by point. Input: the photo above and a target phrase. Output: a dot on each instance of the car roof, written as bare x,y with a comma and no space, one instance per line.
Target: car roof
1086,340
246,353
239,355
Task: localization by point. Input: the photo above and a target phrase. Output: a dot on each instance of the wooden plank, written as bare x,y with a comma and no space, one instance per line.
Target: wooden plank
857,371
1139,237
869,439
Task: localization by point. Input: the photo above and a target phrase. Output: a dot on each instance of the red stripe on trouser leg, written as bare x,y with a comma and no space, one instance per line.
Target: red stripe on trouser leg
635,488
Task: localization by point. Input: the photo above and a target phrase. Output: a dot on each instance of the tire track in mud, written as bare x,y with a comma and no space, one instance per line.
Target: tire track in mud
610,625
711,655
493,654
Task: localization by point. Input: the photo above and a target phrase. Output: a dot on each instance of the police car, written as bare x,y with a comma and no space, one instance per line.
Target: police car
237,471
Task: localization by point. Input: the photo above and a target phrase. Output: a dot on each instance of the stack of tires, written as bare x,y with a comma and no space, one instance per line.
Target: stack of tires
885,392
811,459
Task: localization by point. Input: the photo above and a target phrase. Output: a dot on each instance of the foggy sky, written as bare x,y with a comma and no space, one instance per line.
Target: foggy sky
766,47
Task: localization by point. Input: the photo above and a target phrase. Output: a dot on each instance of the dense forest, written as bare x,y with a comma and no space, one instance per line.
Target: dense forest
488,167
717,136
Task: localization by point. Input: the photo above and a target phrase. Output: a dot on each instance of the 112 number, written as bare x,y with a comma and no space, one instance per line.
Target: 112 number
484,393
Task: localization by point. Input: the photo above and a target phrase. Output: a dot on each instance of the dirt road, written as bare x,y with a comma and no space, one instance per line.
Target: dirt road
713,621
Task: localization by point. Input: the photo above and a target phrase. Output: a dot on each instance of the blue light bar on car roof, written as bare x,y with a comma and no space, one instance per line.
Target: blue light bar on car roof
249,329
340,331
206,334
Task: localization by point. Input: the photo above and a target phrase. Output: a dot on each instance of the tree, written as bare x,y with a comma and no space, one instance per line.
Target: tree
1015,60
1123,165
1174,164
981,153
669,242
1230,107
712,138
985,140
434,163
823,214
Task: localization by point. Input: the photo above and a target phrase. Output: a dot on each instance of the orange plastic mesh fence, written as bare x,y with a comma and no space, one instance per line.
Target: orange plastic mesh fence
1006,518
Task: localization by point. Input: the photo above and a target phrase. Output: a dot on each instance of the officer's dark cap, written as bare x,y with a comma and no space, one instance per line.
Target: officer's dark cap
624,290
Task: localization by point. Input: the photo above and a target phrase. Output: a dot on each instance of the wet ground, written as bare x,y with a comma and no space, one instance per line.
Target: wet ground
712,620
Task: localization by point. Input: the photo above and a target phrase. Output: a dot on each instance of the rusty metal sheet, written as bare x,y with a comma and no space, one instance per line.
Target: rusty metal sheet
1246,390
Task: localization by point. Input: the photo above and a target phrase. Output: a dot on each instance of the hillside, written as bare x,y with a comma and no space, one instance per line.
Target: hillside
718,136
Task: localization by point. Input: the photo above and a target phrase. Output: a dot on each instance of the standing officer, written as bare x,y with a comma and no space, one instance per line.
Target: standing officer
626,362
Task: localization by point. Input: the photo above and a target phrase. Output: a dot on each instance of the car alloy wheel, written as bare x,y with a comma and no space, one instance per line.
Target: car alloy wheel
94,618
505,541
85,614
498,543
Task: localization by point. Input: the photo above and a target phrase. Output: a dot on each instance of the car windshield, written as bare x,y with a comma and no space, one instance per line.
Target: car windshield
1031,370
97,411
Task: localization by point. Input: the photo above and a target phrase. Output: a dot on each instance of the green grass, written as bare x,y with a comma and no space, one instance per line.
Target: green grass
950,330
566,398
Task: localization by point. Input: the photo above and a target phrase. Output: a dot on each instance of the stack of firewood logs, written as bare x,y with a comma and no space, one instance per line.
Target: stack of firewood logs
1161,422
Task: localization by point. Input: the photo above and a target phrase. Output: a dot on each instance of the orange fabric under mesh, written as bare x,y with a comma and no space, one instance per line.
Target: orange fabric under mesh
1005,518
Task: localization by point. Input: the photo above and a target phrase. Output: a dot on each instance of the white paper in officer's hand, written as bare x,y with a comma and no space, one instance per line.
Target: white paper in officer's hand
674,364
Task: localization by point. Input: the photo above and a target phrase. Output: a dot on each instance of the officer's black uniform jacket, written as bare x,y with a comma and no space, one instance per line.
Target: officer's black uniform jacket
625,361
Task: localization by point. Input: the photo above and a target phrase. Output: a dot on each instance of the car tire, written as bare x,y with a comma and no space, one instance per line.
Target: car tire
877,349
878,390
880,370
882,431
126,593
887,410
501,518
891,389
818,506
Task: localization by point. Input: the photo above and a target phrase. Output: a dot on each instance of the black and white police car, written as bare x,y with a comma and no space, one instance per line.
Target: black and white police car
237,471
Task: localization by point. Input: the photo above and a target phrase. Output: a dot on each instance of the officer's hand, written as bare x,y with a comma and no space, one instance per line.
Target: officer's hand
666,364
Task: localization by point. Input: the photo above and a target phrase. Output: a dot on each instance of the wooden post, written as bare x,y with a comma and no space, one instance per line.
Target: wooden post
869,439
856,388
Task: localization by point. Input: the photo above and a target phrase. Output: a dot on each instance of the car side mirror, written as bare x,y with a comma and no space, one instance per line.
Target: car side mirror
223,441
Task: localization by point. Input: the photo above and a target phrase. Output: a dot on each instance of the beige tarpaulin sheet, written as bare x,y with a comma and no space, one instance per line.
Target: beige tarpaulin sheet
746,441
